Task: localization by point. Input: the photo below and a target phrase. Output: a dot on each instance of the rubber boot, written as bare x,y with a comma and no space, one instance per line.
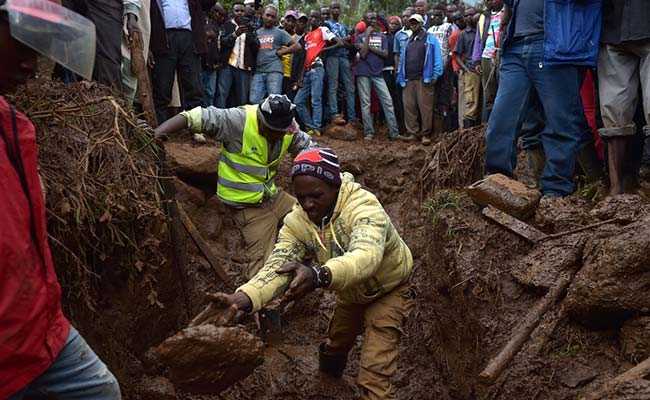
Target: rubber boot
590,164
615,159
535,160
330,363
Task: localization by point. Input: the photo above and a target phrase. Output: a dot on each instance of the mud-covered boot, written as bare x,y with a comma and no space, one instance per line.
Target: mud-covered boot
590,164
331,363
534,166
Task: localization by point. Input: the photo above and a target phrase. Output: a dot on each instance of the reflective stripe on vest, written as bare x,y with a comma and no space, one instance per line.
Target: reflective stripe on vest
247,177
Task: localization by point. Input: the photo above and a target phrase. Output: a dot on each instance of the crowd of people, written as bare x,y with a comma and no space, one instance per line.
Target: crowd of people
434,68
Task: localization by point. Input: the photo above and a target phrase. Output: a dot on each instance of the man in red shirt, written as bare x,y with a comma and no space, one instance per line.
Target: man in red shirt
314,43
41,355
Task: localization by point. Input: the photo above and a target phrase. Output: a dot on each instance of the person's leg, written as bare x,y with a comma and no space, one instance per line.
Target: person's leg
558,88
274,82
530,133
107,17
460,103
332,71
410,108
383,320
507,114
162,81
189,69
318,74
76,374
472,92
258,87
643,51
395,95
489,83
345,77
301,101
208,80
344,327
618,77
386,102
363,87
426,95
225,84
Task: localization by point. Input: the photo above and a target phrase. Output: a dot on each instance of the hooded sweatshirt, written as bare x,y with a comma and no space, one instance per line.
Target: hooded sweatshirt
360,246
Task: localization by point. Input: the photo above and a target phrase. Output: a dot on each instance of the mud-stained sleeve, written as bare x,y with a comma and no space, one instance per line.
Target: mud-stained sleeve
365,251
224,125
267,284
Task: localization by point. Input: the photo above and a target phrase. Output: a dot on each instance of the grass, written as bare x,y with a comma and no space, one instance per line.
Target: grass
441,200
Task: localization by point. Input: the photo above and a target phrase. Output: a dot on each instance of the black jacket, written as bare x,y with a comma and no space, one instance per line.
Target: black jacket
227,41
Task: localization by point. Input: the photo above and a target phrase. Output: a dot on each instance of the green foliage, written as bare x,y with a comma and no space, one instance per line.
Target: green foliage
442,200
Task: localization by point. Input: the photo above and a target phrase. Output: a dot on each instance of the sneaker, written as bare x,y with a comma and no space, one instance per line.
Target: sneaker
426,141
405,138
368,138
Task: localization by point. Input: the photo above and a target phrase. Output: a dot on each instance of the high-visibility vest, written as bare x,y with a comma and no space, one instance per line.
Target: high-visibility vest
247,177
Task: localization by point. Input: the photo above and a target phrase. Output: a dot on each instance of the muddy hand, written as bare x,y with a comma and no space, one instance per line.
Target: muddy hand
222,309
302,282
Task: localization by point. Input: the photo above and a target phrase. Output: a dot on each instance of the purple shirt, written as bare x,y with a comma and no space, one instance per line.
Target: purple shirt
372,65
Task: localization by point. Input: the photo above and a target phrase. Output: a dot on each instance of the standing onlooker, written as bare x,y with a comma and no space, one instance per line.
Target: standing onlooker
445,85
136,13
419,68
471,79
251,10
212,61
373,50
549,62
456,109
274,43
488,33
337,66
422,8
177,41
390,70
623,69
240,43
289,26
313,75
399,42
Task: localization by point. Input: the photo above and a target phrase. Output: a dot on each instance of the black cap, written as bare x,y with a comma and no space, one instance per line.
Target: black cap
277,112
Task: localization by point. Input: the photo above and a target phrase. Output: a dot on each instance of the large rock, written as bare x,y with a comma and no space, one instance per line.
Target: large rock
195,164
635,339
614,282
209,359
508,195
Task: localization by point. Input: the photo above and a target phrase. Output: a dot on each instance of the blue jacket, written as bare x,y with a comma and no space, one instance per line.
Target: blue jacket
432,62
571,30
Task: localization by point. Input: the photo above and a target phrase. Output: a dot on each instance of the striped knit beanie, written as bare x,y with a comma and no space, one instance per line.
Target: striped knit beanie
321,163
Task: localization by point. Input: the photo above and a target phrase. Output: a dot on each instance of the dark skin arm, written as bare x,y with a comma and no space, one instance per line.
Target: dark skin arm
292,48
365,47
171,126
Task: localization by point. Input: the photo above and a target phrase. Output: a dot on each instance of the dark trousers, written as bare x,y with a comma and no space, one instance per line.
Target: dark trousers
179,57
395,91
107,17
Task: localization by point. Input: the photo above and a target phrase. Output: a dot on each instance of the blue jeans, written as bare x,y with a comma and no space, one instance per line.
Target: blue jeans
558,87
339,70
228,77
76,374
264,84
312,85
209,80
365,83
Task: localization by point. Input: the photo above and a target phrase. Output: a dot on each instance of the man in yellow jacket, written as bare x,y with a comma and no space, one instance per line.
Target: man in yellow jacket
255,140
355,251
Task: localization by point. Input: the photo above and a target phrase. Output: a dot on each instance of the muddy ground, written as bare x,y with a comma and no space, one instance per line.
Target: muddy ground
468,299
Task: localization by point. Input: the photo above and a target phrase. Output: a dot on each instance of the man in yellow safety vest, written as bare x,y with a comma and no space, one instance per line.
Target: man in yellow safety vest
255,139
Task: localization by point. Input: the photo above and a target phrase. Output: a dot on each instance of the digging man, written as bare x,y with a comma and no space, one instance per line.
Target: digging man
255,139
356,252
41,354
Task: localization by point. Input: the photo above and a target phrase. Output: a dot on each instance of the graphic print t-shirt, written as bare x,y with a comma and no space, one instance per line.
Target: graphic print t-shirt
315,41
372,65
270,41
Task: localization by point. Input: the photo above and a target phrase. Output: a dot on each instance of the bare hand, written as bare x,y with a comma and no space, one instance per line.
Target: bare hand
222,309
302,283
241,30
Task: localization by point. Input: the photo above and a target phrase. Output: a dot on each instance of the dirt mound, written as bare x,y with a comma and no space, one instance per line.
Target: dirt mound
100,172
208,359
613,283
635,339
348,132
195,164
